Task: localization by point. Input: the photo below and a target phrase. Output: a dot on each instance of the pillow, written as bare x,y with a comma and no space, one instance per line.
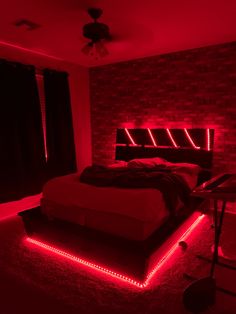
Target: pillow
118,164
147,162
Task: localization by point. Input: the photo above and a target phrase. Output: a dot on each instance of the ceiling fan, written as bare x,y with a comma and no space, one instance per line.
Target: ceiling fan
98,33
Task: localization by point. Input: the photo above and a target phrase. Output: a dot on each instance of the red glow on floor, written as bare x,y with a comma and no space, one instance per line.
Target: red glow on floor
171,138
190,139
11,45
152,138
12,208
114,274
84,262
173,248
130,137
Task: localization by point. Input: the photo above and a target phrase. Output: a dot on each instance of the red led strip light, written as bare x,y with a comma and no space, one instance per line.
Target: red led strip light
171,251
84,262
190,139
152,138
208,140
130,137
171,137
114,274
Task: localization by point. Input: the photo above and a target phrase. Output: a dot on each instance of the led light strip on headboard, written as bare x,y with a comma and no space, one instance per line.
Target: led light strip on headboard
191,140
171,138
198,139
130,137
175,145
152,138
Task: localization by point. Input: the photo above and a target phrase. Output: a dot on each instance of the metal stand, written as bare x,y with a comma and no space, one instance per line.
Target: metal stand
218,228
200,294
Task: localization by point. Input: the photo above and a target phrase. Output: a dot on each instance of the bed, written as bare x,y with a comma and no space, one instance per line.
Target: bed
121,228
131,213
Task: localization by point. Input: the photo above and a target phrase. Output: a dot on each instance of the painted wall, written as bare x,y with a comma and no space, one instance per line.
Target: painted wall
79,89
194,88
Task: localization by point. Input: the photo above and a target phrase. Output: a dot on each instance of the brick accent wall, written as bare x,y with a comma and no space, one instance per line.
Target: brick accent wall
193,88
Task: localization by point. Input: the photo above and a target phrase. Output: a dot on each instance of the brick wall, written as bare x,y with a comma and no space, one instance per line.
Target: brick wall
193,88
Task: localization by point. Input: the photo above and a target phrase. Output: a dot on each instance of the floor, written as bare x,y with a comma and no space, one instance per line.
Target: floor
36,281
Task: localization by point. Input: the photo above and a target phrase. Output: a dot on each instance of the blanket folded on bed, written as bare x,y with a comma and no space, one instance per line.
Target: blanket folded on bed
172,186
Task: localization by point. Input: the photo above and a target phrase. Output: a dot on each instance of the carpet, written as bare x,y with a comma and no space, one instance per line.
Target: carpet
34,281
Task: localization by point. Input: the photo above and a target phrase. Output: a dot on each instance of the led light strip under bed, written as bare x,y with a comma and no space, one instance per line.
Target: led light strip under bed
114,274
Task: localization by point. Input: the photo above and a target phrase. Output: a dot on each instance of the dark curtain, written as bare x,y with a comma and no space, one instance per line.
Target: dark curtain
22,160
60,138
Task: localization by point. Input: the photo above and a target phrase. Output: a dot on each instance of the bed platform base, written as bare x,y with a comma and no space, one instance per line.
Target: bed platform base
129,257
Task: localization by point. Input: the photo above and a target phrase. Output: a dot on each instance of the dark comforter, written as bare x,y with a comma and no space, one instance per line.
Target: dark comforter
170,184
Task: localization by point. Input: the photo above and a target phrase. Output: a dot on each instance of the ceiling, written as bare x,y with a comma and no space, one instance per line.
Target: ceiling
140,28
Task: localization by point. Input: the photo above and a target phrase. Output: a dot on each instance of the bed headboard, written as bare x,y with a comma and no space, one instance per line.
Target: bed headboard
175,145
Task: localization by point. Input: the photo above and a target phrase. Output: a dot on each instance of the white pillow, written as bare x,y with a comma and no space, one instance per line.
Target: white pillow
118,164
147,162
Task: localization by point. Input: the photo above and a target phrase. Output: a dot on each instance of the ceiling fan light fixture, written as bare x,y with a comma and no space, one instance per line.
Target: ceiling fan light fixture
87,49
98,33
101,49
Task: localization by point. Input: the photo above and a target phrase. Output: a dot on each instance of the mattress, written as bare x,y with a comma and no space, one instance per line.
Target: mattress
143,204
68,191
